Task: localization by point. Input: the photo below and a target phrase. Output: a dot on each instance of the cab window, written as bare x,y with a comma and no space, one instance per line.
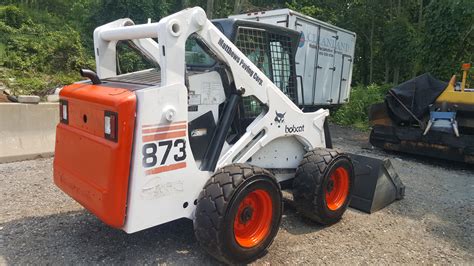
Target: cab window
195,55
253,43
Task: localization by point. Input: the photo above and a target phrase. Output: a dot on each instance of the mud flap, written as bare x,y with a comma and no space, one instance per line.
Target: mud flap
376,184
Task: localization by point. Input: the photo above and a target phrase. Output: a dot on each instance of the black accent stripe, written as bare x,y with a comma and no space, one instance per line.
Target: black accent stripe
214,149
327,134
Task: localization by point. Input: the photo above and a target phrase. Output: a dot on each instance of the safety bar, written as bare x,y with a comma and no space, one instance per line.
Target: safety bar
130,32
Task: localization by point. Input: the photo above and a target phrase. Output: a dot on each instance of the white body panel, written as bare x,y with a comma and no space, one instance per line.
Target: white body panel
158,198
320,58
272,156
164,183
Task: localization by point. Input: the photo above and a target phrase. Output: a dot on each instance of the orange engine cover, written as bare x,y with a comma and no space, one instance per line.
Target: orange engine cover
88,167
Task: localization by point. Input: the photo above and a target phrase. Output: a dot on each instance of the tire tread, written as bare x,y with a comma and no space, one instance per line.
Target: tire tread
212,205
307,184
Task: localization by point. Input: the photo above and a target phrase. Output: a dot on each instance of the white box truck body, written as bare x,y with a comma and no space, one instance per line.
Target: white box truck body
324,58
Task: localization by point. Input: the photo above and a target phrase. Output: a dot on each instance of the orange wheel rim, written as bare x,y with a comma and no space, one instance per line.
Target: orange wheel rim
337,188
253,219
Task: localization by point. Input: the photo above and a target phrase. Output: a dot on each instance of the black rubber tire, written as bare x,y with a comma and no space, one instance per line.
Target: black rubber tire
217,206
312,176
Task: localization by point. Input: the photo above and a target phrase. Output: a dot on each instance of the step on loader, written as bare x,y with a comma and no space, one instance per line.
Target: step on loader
205,134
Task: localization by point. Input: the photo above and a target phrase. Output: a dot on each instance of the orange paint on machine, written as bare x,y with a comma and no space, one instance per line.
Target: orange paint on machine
94,146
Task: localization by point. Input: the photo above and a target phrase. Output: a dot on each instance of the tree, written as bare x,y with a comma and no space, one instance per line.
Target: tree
448,38
137,10
399,45
210,8
396,39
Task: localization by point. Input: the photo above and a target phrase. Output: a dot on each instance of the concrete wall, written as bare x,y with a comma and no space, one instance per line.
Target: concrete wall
27,131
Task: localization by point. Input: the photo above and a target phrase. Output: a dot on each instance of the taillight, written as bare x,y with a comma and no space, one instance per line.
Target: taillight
63,112
110,125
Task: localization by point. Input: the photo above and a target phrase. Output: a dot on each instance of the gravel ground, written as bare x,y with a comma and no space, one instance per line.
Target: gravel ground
433,224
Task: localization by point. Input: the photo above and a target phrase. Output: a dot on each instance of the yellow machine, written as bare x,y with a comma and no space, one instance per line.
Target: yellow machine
458,95
427,117
459,98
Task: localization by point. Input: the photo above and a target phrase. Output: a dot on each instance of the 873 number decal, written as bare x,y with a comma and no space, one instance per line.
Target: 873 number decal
151,156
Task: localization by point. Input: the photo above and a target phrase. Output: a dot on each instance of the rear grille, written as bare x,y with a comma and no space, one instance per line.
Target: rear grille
150,77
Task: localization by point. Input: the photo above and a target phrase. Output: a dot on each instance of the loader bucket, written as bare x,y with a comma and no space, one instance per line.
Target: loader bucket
376,184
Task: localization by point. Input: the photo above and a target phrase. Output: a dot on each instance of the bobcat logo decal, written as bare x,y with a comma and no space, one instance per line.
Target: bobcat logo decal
279,118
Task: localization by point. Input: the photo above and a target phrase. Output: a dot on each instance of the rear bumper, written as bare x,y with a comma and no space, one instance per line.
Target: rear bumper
80,173
90,168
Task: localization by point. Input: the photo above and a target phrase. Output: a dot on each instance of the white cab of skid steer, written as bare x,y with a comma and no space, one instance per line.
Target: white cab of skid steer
324,59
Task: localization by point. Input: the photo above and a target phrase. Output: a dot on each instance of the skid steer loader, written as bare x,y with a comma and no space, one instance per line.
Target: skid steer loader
205,135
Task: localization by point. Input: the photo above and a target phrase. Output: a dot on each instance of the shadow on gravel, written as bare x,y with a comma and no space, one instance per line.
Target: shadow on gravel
294,223
438,191
80,238
435,162
302,226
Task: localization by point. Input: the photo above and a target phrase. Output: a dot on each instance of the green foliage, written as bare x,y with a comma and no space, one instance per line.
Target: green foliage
129,60
448,39
322,10
43,39
2,50
399,41
356,112
25,83
34,48
12,16
138,10
401,38
38,57
225,9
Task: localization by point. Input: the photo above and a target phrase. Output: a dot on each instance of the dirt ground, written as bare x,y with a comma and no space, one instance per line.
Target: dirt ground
433,224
